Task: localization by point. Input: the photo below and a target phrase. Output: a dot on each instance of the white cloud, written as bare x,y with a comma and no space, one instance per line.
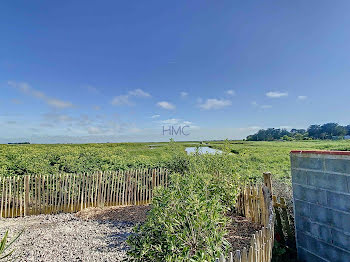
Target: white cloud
276,94
139,93
135,130
55,118
171,121
166,105
230,92
302,97
214,103
92,89
59,103
121,100
177,122
184,94
155,116
125,99
254,103
27,89
266,106
92,130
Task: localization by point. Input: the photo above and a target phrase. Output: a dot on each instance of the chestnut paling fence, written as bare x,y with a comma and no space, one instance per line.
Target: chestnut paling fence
255,203
49,194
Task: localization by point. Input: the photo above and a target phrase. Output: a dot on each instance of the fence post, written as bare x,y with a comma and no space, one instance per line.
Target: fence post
26,195
267,181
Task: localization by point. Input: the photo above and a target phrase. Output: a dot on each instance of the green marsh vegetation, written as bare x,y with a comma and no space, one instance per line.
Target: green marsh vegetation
187,220
247,159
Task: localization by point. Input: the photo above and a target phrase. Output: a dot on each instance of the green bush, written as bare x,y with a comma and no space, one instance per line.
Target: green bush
186,223
225,180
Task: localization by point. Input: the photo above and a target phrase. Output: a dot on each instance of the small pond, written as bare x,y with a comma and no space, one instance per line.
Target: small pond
202,150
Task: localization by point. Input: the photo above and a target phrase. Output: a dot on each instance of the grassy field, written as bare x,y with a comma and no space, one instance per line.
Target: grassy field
248,159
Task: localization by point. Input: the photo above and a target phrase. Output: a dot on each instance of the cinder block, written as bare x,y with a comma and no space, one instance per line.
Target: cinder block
302,223
306,256
307,242
321,232
324,250
339,201
340,220
318,196
340,239
321,214
302,208
328,181
300,176
337,165
307,162
333,253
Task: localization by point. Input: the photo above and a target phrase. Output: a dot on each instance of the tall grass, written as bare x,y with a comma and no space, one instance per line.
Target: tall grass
186,223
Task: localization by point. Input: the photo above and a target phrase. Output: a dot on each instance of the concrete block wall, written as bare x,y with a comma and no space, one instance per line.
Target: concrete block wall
321,191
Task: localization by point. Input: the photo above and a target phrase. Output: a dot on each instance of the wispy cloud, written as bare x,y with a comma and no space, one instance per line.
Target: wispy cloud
171,121
121,100
230,92
125,99
276,94
58,103
55,118
92,89
183,94
139,92
27,89
214,103
155,116
255,104
302,97
177,122
92,130
166,105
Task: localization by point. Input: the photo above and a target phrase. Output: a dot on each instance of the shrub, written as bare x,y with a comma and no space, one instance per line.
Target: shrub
186,223
224,180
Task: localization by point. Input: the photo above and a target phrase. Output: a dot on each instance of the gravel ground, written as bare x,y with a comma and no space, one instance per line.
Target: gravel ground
65,237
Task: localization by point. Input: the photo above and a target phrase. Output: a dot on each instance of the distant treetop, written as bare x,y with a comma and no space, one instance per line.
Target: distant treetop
325,131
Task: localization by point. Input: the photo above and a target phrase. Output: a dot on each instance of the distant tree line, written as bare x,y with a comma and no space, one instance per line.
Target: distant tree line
326,131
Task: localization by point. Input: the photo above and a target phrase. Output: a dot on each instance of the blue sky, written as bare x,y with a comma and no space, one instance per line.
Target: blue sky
98,71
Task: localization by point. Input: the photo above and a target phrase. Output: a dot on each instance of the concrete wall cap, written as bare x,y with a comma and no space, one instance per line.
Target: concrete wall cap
321,152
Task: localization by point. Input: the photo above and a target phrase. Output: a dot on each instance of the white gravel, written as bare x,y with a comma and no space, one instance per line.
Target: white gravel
64,237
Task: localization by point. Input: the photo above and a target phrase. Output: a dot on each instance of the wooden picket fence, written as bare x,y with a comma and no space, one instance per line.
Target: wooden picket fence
255,203
49,194
283,223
